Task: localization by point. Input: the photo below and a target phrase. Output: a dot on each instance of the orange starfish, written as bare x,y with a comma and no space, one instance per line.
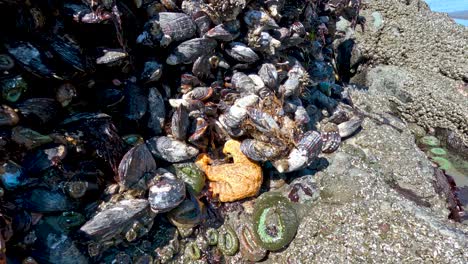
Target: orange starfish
233,181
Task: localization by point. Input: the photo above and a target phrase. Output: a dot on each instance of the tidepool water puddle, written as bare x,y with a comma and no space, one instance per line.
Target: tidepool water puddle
449,161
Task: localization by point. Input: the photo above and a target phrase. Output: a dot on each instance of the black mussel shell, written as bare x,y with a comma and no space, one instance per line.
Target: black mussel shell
136,101
22,222
170,149
107,224
56,248
29,138
100,134
43,200
40,160
12,175
188,214
30,58
39,111
67,50
157,111
137,163
180,123
109,97
187,52
152,71
166,192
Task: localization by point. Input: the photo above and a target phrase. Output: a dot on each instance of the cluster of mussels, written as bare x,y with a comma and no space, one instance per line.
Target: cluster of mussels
130,129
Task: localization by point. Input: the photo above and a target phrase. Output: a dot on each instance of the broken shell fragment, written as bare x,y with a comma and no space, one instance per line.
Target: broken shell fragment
347,128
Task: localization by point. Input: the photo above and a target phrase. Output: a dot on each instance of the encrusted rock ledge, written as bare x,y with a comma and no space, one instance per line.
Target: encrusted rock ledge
416,63
377,201
378,205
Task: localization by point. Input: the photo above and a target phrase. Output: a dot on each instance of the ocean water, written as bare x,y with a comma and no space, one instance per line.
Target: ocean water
448,6
461,21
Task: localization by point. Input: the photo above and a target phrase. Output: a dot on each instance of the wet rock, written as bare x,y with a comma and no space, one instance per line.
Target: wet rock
377,190
343,181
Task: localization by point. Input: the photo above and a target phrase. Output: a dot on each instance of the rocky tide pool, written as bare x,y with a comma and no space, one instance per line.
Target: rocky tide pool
453,164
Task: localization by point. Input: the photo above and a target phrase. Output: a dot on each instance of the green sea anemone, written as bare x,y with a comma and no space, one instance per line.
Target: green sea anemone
192,251
275,221
437,152
430,141
444,164
212,236
228,242
13,88
250,247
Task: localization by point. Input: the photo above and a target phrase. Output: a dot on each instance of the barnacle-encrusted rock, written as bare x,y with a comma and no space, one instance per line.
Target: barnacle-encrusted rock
432,103
427,83
355,198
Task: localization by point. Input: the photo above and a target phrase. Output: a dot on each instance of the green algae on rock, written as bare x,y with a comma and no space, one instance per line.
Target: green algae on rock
275,221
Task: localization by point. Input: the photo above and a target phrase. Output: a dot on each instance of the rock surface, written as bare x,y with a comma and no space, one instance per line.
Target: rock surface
416,64
378,203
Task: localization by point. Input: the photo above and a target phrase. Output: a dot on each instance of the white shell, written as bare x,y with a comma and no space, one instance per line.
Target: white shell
347,128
